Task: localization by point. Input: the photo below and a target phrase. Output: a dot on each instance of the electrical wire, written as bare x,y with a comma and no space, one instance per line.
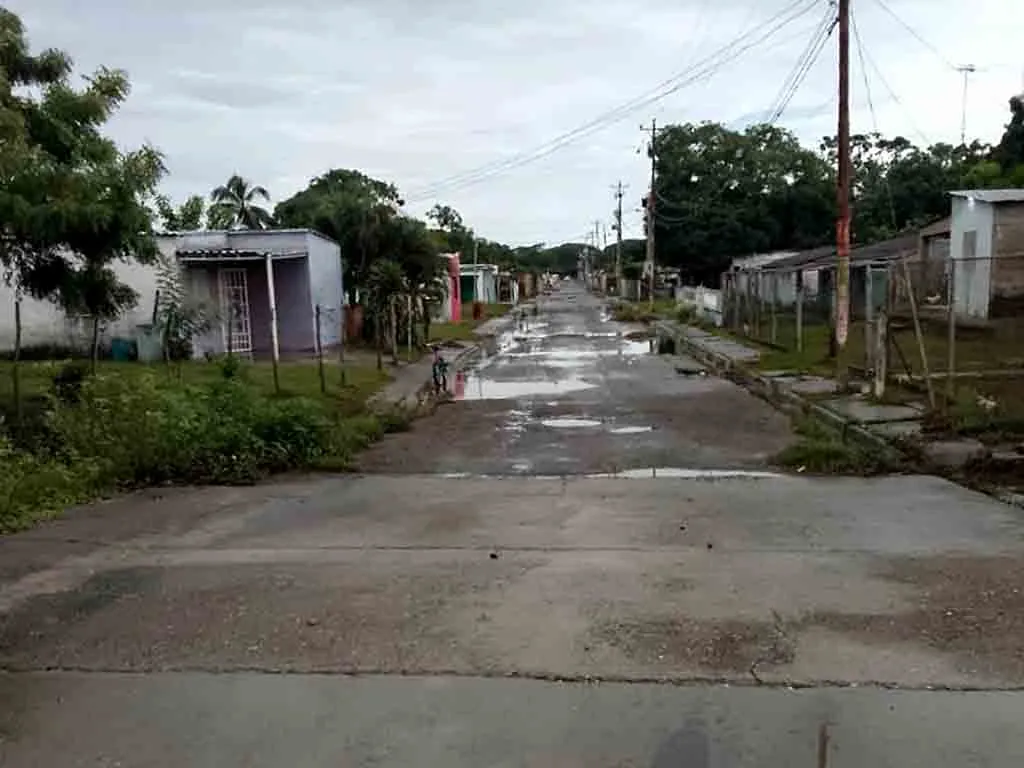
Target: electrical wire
893,95
707,67
942,57
803,66
871,108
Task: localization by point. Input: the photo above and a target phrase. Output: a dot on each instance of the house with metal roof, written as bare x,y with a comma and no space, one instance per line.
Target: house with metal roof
266,289
987,252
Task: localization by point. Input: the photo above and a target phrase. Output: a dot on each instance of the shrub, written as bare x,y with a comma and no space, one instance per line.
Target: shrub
30,487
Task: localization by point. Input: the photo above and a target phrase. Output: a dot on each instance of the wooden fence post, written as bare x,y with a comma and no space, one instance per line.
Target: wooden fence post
800,310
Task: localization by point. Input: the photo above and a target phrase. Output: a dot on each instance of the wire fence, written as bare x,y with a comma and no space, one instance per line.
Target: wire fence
952,329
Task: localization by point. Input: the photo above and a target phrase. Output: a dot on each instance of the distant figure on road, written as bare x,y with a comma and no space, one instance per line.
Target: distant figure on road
439,371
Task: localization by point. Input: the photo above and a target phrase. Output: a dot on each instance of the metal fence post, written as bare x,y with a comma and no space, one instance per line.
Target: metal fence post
775,300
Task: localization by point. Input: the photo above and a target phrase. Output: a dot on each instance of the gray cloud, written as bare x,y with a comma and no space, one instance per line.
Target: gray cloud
415,92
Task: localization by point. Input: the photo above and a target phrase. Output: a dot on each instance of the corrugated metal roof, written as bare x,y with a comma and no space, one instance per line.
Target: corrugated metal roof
233,253
991,195
940,227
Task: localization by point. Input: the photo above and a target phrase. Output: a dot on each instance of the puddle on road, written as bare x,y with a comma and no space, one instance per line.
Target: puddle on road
630,430
479,388
568,423
653,473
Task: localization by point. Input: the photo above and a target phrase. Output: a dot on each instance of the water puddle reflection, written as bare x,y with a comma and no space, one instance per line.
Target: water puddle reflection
567,423
469,387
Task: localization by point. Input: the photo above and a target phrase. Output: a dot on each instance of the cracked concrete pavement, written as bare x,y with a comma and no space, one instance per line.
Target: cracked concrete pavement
516,534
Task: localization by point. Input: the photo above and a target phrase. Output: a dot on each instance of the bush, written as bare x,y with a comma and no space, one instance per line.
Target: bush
31,487
147,432
118,432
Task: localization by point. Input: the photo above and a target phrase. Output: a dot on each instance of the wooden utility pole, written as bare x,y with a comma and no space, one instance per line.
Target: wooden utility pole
842,297
649,265
618,238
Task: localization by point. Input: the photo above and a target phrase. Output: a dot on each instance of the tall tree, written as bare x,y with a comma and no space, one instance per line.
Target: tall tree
189,216
1009,153
349,207
236,204
71,202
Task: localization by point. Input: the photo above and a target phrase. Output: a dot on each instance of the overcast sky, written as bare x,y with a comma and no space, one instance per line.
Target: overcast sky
417,91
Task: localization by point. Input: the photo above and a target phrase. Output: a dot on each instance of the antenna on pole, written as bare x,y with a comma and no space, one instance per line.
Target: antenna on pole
966,70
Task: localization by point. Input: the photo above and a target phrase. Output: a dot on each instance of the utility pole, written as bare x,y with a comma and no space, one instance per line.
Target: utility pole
967,70
649,261
618,238
842,296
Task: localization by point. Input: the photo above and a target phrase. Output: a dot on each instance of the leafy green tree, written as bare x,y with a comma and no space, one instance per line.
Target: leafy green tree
71,203
236,204
1009,153
350,208
188,217
720,193
386,283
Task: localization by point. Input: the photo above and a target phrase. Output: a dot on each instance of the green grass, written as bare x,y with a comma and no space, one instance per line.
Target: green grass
133,425
463,329
820,450
297,379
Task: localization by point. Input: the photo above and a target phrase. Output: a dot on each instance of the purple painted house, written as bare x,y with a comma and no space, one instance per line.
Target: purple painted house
262,287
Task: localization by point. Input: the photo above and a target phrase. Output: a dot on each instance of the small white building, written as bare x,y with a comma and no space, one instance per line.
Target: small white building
986,246
259,288
479,282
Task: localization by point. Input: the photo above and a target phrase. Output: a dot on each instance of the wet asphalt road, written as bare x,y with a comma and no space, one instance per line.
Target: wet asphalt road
510,584
570,392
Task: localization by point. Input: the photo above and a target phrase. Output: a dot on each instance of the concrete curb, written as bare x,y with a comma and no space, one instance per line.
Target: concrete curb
770,390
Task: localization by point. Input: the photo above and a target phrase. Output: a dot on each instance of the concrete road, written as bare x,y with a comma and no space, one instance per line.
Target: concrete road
587,560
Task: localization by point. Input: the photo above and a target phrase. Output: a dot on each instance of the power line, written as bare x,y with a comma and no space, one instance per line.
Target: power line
871,108
916,34
705,68
893,95
803,66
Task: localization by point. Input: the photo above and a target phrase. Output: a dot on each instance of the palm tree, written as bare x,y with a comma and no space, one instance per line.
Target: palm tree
234,206
386,283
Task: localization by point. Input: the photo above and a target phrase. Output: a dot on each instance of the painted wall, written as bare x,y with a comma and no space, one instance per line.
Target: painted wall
44,323
326,285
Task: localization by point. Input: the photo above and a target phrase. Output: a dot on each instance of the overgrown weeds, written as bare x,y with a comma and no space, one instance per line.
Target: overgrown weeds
91,435
821,450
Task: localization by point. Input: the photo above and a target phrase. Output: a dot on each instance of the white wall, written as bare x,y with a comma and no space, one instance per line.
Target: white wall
972,277
326,288
44,323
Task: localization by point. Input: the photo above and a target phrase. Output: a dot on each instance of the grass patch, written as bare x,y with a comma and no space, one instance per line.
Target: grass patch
463,329
133,425
821,450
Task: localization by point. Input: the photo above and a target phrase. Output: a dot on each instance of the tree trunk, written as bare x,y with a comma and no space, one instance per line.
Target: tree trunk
16,366
94,348
394,329
377,339
426,320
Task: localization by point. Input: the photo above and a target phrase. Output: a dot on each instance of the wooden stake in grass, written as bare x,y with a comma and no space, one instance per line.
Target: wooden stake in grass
320,353
917,333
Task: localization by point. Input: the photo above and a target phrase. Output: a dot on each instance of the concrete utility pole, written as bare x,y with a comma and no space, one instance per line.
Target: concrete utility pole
618,238
967,70
842,312
649,261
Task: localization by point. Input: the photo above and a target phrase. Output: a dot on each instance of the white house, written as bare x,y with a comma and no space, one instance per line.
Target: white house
986,246
479,282
261,288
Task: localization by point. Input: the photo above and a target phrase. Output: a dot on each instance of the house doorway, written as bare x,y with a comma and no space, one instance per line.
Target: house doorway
236,326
